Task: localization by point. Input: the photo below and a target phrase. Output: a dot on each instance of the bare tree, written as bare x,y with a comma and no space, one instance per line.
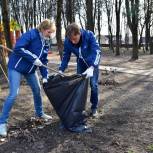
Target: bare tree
89,13
109,11
30,13
132,10
6,21
70,15
99,19
59,27
148,10
141,29
34,12
118,12
80,5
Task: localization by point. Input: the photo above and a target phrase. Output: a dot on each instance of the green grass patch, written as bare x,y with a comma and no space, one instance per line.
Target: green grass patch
150,147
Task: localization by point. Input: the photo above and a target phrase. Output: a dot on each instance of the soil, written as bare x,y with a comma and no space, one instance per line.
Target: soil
124,124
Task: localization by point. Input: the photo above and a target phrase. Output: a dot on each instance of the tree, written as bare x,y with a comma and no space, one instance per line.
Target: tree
3,60
6,22
34,12
99,19
132,10
148,4
59,26
80,5
109,12
70,15
118,11
89,13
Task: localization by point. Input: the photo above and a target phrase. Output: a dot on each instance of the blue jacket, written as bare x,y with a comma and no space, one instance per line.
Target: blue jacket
89,50
29,47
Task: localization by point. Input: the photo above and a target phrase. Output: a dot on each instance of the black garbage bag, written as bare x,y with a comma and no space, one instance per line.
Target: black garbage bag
68,95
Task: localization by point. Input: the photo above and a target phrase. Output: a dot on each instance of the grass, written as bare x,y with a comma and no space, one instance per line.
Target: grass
130,151
150,147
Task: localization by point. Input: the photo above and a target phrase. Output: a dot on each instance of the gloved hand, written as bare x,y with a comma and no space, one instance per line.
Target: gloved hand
89,72
44,80
61,72
37,62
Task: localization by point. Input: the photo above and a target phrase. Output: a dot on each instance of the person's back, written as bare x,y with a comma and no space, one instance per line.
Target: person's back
87,48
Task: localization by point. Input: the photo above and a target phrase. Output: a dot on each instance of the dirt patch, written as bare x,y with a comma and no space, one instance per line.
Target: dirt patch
124,125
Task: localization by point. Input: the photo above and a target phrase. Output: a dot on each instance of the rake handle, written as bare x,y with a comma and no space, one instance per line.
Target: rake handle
2,46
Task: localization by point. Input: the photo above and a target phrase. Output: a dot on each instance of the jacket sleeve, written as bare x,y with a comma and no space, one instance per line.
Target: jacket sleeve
66,57
43,70
22,44
95,50
44,60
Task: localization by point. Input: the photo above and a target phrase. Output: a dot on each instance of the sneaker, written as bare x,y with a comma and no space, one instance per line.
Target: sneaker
94,113
3,130
45,117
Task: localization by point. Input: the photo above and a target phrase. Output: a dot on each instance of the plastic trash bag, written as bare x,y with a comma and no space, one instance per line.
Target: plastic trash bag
68,95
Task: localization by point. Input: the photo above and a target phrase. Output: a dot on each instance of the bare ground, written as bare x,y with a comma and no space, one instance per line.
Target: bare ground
125,123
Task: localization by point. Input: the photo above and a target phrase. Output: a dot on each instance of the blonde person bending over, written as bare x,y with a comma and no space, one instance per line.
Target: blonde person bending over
29,53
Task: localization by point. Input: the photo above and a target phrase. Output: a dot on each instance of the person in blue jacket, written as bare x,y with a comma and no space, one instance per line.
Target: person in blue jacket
83,44
30,52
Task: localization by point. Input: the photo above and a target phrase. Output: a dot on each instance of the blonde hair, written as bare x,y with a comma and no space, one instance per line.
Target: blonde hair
46,24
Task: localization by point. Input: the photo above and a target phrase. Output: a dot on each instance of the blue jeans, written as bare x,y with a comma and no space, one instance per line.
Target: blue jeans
14,84
81,67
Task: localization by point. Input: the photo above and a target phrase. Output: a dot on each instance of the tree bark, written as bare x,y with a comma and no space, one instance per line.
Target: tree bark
34,13
89,13
109,10
98,21
118,40
59,27
6,21
135,45
132,9
70,11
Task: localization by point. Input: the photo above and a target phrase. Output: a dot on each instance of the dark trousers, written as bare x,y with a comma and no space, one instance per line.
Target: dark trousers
81,67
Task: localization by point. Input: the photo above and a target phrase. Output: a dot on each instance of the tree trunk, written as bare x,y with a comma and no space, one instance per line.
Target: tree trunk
147,36
141,32
111,46
70,11
3,60
151,45
117,10
148,10
6,21
109,11
118,36
59,27
132,9
89,13
98,22
34,13
135,45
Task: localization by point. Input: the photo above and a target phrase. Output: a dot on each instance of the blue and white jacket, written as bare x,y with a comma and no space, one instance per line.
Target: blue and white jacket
29,47
89,50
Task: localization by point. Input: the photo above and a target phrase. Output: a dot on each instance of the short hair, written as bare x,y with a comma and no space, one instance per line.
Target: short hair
72,29
46,24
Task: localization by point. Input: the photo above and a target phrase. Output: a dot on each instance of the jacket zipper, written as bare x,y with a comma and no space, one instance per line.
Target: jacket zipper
81,57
